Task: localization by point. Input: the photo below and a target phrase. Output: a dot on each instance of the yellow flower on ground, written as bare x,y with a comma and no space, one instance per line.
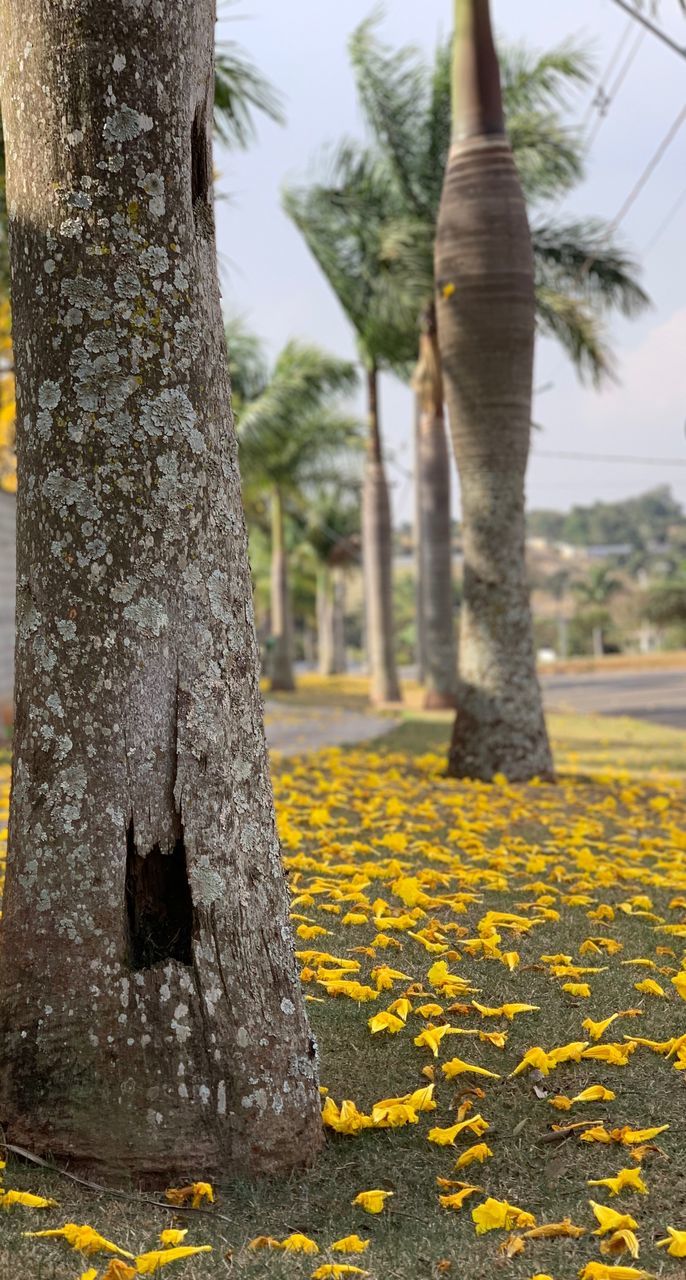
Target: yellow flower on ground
480,1151
595,1093
83,1238
26,1198
297,1243
264,1242
118,1270
372,1201
605,1271
555,1231
336,1270
173,1236
457,1067
349,1244
649,987
148,1263
457,1198
623,1241
385,1021
626,1179
580,989
610,1220
430,1037
193,1194
495,1215
674,1242
445,1137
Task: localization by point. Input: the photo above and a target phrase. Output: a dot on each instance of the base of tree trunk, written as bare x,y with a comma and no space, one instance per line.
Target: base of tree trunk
277,685
434,700
482,747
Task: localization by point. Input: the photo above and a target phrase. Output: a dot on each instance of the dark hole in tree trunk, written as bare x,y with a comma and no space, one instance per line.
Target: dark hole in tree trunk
159,906
200,158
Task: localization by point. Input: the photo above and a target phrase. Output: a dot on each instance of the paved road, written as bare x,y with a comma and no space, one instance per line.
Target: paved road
658,696
292,730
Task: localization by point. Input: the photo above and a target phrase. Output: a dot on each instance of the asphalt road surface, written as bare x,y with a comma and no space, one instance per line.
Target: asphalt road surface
658,696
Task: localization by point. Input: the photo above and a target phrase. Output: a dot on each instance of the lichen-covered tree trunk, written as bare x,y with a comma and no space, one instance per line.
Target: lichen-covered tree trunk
437,613
420,646
377,552
485,283
281,672
151,1021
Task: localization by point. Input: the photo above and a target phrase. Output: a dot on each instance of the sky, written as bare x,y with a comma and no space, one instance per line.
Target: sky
269,278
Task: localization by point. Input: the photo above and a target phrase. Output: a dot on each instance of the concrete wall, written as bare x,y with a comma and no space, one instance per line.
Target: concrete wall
8,505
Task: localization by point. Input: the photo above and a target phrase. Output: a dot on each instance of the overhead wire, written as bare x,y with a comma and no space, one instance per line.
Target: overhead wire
652,27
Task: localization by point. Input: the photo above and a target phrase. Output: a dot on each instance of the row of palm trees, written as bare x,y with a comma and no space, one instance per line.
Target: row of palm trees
444,282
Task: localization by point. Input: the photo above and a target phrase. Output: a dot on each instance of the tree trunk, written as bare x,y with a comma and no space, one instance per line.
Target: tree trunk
325,641
281,673
433,484
151,1021
418,550
340,662
598,643
484,274
377,551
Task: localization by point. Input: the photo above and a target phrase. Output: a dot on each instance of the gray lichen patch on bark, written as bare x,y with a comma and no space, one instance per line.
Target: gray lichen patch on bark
138,706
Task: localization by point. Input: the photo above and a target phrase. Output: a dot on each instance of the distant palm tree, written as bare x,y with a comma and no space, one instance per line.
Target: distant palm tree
593,592
292,436
343,220
332,529
580,270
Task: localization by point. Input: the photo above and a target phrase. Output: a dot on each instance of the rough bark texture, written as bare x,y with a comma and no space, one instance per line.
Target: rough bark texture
151,1021
484,274
281,672
436,611
377,551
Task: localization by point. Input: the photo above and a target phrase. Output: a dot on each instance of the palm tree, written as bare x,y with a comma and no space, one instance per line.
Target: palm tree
486,305
343,221
291,436
580,271
594,591
332,530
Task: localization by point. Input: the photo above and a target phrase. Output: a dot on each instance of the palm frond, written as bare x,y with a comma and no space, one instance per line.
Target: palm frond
240,92
585,257
579,331
248,370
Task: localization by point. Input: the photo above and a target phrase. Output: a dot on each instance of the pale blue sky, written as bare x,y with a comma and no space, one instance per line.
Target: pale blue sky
270,278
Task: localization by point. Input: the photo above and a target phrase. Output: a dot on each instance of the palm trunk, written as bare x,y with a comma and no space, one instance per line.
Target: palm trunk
151,1020
340,663
433,484
420,612
377,550
325,637
281,673
484,274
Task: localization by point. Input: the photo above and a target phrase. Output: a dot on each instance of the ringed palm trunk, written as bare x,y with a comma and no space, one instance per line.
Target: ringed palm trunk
330,620
151,1020
377,551
281,673
437,615
485,284
340,664
325,637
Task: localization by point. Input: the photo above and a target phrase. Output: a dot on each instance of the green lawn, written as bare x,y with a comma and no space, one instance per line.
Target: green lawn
609,833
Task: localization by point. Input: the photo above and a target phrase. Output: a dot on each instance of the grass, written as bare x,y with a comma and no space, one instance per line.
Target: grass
610,833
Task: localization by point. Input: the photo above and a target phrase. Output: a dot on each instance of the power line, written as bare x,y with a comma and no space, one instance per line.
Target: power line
609,457
649,169
600,99
652,27
607,98
666,222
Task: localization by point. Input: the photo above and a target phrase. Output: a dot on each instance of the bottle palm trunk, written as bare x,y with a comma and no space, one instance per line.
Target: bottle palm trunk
281,673
377,551
485,283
